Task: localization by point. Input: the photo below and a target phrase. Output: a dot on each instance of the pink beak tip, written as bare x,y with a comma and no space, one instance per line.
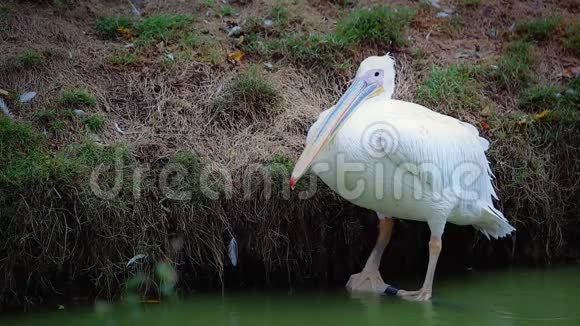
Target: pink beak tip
292,183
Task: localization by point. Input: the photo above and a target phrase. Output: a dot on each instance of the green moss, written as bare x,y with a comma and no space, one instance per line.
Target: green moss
107,27
95,123
453,85
384,24
573,36
73,97
538,29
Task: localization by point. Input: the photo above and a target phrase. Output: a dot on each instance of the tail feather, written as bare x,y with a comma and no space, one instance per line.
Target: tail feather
493,223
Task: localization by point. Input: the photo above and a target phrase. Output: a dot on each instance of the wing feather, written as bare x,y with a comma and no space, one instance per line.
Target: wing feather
441,150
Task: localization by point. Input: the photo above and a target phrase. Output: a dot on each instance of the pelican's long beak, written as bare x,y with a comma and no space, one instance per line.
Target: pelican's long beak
359,91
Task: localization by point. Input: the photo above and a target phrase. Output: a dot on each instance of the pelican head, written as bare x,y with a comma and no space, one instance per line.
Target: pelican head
375,77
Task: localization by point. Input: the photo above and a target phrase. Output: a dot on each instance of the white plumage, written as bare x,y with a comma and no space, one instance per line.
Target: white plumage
401,160
413,145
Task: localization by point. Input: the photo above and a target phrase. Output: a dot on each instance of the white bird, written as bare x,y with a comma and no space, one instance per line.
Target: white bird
401,160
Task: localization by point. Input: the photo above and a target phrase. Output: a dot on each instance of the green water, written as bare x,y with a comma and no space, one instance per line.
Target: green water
519,297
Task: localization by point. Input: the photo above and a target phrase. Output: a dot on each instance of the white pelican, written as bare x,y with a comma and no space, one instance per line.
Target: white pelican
401,160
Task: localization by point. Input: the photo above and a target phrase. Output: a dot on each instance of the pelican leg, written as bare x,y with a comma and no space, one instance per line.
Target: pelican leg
425,293
369,279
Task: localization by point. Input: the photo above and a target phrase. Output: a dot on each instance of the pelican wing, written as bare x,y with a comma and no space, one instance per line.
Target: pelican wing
439,149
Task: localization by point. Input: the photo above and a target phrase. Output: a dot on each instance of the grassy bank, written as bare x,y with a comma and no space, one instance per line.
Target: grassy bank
162,136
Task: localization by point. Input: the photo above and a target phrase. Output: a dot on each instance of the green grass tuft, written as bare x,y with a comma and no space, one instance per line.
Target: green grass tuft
247,95
280,164
279,14
25,160
539,97
162,27
187,167
122,58
95,123
74,97
65,5
323,50
538,29
227,10
107,26
513,68
383,24
453,86
30,58
573,36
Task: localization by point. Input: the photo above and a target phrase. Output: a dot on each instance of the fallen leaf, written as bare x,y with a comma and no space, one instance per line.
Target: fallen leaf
60,307
570,72
237,56
151,301
484,125
125,32
3,92
542,115
27,97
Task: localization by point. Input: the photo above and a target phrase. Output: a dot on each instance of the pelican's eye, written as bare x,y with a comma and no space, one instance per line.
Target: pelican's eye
377,74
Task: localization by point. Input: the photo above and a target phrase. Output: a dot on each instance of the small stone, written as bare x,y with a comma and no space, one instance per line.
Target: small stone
269,66
80,113
235,31
558,95
570,91
209,13
442,14
268,22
